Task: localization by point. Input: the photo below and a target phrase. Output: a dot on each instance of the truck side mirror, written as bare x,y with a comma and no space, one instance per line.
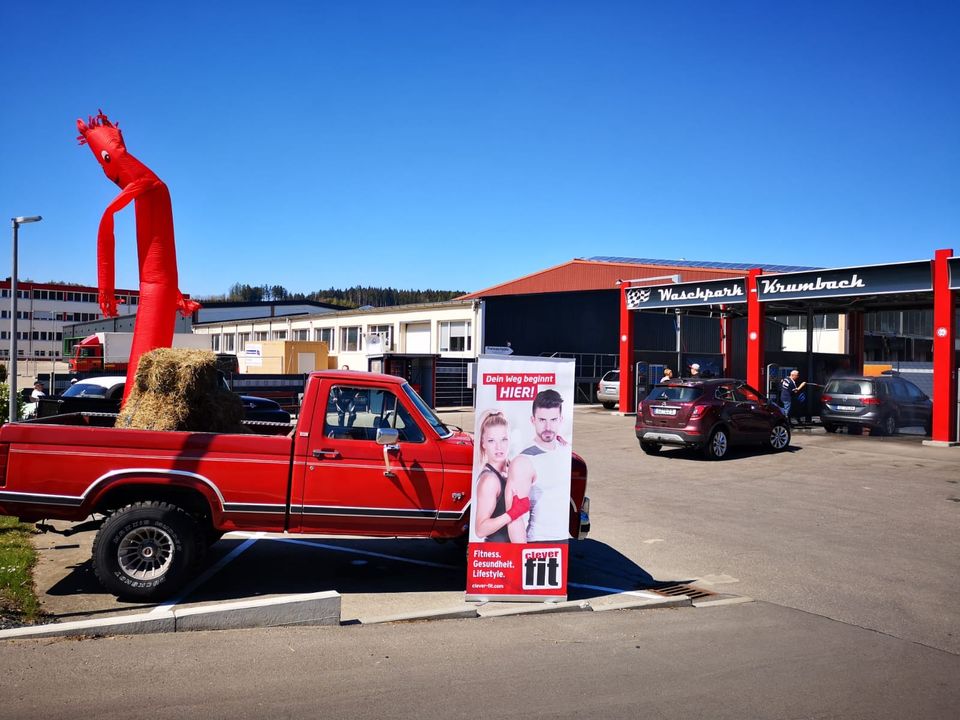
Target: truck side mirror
387,436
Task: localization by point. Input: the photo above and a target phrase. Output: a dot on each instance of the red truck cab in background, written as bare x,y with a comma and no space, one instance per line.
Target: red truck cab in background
366,457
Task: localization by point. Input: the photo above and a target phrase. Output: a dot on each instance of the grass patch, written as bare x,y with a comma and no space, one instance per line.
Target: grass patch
18,601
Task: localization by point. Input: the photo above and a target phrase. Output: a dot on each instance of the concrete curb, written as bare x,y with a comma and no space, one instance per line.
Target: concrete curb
716,602
323,608
645,604
320,608
451,613
538,609
139,624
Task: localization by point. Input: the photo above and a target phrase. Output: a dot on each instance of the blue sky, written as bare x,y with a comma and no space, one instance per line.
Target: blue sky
457,145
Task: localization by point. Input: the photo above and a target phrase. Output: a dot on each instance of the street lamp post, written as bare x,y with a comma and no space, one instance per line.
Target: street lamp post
17,222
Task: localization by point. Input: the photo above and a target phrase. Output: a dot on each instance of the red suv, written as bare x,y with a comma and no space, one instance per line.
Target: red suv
710,415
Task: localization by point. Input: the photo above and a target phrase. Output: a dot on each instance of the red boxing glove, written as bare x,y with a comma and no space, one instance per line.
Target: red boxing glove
521,505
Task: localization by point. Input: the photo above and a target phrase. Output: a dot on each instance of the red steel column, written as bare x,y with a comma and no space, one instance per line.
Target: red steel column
944,342
627,380
755,326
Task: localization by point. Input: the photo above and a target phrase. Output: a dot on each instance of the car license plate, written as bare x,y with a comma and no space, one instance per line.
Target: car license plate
664,411
846,408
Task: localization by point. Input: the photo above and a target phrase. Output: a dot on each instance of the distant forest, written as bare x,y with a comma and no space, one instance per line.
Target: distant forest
356,296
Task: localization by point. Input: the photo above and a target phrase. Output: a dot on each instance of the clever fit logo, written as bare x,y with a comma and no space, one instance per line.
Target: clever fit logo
541,568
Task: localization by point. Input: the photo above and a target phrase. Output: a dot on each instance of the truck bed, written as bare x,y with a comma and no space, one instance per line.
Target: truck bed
60,466
108,420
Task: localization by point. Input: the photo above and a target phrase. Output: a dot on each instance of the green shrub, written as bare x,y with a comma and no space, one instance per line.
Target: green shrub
5,403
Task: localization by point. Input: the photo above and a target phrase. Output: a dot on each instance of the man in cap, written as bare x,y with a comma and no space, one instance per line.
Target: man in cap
695,370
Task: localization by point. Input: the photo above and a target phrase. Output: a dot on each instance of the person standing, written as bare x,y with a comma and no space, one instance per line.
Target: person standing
788,391
667,376
541,473
38,392
695,370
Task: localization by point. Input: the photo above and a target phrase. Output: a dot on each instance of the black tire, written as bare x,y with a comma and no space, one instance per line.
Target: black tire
889,426
718,445
650,448
831,427
146,550
779,439
608,406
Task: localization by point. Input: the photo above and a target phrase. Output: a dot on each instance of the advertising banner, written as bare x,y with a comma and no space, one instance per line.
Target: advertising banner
520,513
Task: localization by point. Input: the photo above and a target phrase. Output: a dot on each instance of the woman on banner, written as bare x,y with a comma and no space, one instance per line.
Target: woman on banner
541,474
491,513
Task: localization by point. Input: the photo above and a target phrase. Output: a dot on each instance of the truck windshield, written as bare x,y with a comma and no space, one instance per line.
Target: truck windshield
427,412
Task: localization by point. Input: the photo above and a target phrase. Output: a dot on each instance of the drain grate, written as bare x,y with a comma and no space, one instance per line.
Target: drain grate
675,589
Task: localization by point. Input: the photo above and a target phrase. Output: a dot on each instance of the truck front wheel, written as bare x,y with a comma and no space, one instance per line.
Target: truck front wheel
144,551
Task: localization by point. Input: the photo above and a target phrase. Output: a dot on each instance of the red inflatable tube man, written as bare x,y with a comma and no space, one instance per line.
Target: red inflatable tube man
160,298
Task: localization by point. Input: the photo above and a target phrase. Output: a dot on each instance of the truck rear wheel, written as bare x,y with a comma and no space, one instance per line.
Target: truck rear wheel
145,551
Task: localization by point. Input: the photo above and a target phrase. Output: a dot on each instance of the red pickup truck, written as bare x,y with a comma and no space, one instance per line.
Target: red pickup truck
367,456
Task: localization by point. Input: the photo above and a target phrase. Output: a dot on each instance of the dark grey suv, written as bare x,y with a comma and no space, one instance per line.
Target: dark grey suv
883,404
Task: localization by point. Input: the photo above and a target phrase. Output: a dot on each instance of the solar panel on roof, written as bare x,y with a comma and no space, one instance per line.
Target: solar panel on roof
707,265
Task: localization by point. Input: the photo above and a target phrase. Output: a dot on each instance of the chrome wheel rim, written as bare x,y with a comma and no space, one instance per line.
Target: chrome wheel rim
719,444
779,437
145,553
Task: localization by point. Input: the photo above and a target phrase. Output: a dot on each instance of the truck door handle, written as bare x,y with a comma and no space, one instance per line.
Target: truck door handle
327,454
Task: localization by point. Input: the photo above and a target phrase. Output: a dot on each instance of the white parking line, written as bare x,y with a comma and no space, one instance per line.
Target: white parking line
617,591
353,551
217,567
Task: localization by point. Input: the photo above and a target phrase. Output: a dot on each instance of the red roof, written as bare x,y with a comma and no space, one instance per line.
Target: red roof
595,275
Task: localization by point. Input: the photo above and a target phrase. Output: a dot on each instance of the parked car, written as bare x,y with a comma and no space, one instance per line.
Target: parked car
710,415
103,394
608,389
883,404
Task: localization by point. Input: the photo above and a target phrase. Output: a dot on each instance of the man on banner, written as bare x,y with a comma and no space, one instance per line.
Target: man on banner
541,473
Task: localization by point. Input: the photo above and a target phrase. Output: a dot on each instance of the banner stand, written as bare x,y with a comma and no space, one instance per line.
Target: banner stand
523,446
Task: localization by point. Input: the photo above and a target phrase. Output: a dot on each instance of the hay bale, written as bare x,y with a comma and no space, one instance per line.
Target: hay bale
179,389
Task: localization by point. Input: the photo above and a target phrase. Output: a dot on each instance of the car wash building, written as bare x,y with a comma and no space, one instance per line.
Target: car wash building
571,310
742,311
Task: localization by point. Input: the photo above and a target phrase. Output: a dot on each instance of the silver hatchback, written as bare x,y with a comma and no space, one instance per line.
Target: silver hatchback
881,404
608,389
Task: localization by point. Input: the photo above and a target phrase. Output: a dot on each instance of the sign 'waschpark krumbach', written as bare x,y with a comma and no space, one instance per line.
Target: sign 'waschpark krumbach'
866,280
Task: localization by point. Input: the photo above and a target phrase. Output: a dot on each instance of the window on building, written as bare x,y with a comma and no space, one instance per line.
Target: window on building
279,335
242,340
799,322
455,336
261,335
301,334
215,343
350,339
228,343
385,333
324,335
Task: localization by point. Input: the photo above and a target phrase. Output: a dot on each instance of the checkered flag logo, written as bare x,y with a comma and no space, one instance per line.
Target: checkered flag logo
636,297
